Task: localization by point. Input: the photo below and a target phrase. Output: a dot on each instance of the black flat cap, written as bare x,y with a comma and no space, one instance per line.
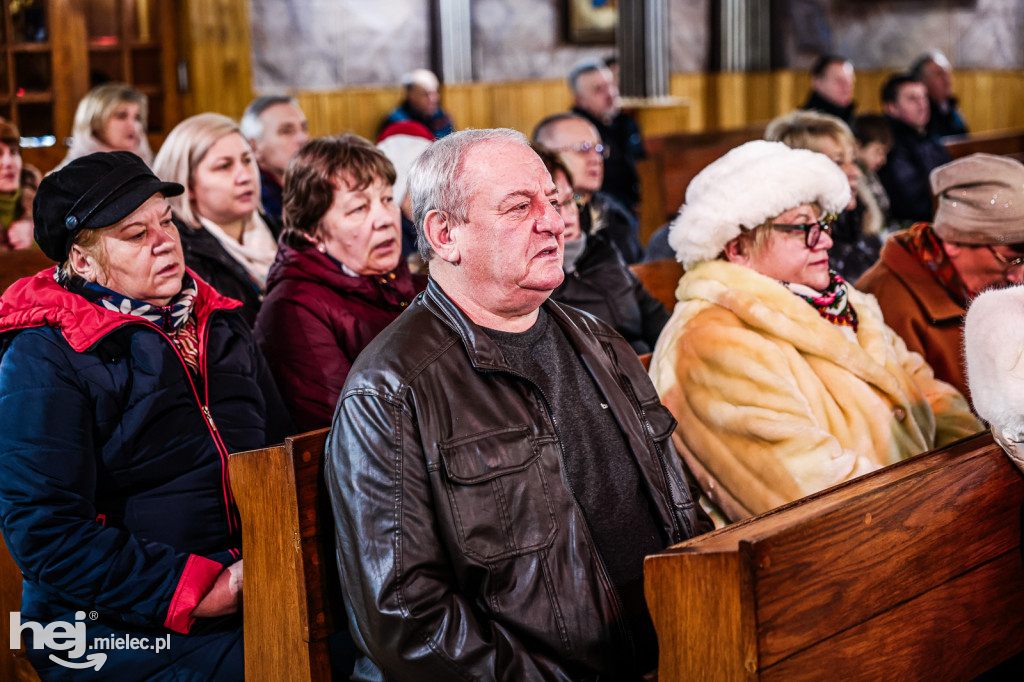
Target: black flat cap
93,191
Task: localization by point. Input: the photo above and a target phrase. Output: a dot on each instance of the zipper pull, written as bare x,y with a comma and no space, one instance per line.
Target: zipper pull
209,417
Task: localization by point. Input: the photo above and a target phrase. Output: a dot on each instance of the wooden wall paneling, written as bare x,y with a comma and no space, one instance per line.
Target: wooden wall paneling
70,82
727,101
692,87
469,104
170,52
219,57
762,97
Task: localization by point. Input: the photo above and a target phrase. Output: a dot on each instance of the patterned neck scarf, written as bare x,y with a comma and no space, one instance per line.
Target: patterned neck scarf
175,319
833,303
922,243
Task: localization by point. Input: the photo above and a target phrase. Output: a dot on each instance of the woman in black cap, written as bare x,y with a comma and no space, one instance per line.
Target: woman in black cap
124,385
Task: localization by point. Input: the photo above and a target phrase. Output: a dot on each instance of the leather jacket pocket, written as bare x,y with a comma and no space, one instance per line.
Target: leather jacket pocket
498,494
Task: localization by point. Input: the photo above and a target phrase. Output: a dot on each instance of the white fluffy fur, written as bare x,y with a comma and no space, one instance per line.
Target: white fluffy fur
750,184
994,346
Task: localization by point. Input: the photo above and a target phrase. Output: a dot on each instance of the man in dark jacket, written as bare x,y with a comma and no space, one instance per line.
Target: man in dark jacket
832,80
596,98
499,464
577,139
915,152
935,71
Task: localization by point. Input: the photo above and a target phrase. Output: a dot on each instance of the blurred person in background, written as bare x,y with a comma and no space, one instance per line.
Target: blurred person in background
111,117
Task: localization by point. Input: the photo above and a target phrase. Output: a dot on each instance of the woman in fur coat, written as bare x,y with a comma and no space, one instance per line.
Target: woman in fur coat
785,379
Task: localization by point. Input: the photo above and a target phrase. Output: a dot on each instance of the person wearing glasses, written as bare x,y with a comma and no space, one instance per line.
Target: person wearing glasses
597,280
579,143
785,379
928,275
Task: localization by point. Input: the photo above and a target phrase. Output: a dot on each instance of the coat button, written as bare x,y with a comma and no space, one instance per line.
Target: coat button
899,413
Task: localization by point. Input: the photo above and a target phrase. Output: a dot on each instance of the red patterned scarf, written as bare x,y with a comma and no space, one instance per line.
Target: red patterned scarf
922,243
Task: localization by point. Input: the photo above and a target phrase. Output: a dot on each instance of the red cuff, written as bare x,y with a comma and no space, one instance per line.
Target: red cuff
196,580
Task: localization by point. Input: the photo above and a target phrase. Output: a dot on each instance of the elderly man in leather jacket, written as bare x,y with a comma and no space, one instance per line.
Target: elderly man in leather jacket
500,464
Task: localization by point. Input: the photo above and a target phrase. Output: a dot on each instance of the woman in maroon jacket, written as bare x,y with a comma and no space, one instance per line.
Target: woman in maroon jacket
339,278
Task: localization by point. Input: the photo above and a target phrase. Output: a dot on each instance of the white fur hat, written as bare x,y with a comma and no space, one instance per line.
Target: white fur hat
750,184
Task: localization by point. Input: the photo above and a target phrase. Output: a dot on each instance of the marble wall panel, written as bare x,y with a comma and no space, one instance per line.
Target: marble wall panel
326,44
689,34
524,40
983,34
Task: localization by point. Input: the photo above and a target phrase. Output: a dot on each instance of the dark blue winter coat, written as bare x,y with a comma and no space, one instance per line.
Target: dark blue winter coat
114,493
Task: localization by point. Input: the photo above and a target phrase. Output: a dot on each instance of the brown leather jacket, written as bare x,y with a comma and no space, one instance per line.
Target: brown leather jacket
917,308
463,554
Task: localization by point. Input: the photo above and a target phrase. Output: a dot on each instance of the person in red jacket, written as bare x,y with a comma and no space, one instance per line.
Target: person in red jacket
339,278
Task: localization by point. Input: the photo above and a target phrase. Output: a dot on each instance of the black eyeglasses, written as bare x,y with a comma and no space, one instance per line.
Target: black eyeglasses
1010,263
812,231
584,147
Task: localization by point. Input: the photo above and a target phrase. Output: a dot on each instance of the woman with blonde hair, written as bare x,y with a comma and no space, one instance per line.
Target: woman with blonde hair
856,239
110,118
228,242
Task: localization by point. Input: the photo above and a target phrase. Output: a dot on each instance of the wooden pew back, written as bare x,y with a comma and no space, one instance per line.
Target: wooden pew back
672,162
17,264
660,278
292,598
911,573
14,664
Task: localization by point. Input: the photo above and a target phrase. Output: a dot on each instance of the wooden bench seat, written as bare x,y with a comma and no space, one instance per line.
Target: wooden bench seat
910,573
292,598
17,264
913,572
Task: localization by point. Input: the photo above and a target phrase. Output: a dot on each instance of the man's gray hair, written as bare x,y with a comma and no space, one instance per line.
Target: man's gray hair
251,124
936,56
438,181
584,67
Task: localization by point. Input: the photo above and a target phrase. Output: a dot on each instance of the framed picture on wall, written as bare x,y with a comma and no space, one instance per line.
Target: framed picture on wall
591,22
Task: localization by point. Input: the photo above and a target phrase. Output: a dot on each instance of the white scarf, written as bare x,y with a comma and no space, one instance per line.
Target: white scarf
256,251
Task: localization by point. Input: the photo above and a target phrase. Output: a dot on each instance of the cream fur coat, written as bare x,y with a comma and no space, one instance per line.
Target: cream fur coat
775,403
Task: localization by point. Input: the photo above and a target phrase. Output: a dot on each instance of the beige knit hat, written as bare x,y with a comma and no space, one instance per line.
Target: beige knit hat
981,200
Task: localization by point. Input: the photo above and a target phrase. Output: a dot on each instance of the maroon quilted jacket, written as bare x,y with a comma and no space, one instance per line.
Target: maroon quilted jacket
316,319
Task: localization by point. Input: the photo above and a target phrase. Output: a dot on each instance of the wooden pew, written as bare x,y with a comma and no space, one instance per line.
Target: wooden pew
672,161
14,665
660,278
1002,142
913,572
17,264
292,597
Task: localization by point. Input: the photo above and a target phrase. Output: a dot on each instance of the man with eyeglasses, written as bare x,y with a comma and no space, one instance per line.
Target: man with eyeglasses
927,275
596,98
579,143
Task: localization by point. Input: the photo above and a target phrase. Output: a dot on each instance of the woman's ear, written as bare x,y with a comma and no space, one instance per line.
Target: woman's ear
736,252
442,235
84,265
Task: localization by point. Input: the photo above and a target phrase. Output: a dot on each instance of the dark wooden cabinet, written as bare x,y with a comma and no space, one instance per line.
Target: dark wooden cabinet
53,51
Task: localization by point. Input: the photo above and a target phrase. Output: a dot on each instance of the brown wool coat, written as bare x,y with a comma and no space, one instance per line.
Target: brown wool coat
920,310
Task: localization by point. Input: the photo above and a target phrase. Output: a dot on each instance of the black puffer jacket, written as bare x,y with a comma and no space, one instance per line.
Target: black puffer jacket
205,256
604,286
463,554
